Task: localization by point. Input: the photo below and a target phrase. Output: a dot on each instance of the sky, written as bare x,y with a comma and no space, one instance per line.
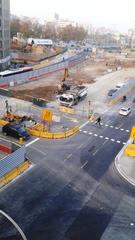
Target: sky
115,14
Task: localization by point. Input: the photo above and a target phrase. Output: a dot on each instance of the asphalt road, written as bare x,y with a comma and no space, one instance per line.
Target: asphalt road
73,191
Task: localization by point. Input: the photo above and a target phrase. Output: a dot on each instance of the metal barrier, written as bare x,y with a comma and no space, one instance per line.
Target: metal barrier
13,173
54,135
12,161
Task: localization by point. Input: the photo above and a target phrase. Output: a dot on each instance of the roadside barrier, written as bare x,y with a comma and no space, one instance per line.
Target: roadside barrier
67,110
13,174
92,117
130,150
3,122
54,135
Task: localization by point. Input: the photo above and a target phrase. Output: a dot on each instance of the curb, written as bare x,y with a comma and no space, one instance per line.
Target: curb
119,169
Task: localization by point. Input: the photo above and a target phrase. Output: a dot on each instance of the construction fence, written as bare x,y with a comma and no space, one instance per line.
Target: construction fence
51,135
11,161
126,89
36,74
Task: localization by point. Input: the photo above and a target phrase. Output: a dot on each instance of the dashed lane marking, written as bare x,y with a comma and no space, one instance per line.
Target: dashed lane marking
81,145
84,164
69,156
99,147
106,125
102,137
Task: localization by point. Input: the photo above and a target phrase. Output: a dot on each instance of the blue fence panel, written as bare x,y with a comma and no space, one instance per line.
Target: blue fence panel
12,161
24,77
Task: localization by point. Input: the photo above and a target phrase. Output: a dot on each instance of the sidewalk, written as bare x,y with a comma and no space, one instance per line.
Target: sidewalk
126,165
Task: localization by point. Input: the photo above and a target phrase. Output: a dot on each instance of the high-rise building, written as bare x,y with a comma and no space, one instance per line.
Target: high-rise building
4,34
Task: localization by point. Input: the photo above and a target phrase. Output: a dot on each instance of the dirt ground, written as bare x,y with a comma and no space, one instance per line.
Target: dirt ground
84,73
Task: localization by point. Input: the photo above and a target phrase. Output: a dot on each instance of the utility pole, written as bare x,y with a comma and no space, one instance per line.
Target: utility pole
89,102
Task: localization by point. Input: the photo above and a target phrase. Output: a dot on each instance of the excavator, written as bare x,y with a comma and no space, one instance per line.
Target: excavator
65,85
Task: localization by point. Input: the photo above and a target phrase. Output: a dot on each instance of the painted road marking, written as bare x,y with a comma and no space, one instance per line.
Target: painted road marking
35,140
84,124
84,164
106,125
69,156
99,148
15,224
38,150
117,128
81,145
106,138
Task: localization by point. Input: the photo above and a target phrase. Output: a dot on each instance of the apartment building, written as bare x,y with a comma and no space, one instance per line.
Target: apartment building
4,34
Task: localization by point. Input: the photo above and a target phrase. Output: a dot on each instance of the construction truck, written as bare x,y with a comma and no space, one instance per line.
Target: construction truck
72,97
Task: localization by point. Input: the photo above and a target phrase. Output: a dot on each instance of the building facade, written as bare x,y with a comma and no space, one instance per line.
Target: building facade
4,34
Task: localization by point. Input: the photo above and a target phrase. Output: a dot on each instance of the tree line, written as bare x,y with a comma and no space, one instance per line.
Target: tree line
30,27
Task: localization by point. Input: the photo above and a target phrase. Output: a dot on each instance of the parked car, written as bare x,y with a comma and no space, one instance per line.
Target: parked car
125,111
15,131
120,85
111,92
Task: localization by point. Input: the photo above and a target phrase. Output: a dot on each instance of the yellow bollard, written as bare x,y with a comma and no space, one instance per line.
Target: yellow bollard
21,140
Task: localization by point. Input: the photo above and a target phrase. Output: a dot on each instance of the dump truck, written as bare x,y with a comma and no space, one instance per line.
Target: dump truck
72,97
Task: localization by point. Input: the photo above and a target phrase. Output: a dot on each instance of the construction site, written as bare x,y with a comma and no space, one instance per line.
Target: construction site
84,73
